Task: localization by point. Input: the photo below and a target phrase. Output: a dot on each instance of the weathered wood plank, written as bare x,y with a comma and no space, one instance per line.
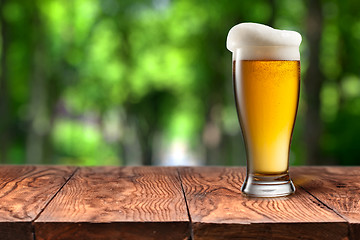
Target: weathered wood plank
112,230
117,203
219,211
24,192
337,187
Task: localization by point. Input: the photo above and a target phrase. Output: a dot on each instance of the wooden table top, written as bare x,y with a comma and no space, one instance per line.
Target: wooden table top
60,202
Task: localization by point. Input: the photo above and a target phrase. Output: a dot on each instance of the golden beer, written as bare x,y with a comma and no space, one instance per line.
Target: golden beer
266,94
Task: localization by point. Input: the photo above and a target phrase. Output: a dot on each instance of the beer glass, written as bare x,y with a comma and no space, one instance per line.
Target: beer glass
266,85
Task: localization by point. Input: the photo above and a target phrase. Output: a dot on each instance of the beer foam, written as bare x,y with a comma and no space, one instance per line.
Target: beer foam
253,41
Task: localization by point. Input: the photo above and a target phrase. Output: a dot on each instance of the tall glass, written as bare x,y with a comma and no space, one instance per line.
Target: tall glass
266,93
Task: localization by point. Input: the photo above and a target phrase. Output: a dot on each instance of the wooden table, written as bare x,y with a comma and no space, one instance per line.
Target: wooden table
59,202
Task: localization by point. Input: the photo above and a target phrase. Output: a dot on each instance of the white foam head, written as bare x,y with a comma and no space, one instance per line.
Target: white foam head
253,41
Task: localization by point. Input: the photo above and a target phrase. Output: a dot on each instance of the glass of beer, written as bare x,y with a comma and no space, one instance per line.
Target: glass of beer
266,80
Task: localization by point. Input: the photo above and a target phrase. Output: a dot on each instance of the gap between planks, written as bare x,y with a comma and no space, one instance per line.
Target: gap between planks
186,204
323,203
47,204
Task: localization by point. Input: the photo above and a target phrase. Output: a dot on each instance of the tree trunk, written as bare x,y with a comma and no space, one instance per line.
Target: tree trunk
5,116
39,122
273,5
313,83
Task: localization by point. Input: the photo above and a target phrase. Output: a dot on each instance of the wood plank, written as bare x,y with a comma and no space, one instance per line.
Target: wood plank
337,187
117,203
16,230
219,211
24,192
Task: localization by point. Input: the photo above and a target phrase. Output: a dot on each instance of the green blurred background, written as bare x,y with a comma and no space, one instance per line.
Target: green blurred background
130,82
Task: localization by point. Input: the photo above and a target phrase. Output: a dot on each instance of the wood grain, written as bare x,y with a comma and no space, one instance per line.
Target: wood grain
117,203
24,192
337,187
37,202
219,211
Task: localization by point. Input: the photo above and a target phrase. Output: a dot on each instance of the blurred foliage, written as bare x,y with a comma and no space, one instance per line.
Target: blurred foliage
149,81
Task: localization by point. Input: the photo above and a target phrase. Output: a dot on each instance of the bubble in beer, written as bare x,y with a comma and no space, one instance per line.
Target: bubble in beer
260,42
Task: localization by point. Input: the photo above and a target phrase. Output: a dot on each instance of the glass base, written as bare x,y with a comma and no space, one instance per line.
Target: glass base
257,185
